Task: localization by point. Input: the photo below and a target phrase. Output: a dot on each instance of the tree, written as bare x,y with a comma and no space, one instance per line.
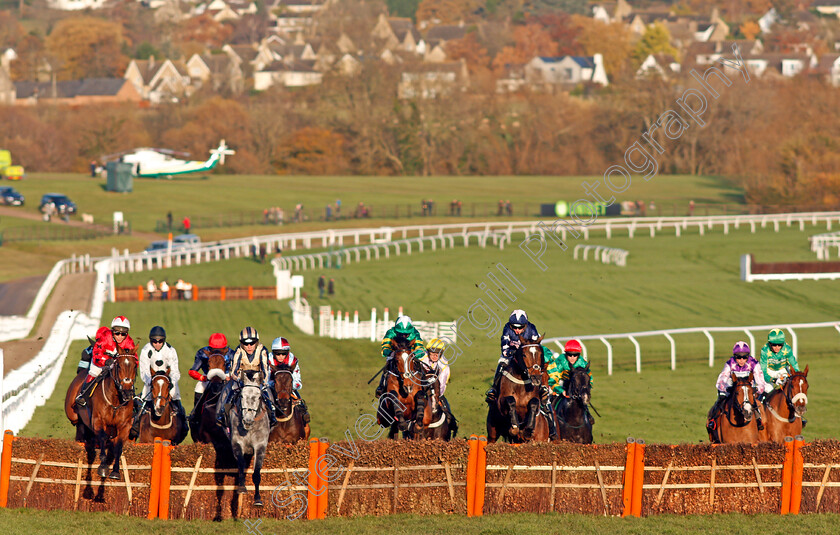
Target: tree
530,40
205,31
470,50
445,11
612,40
750,29
571,7
563,31
87,47
655,40
312,151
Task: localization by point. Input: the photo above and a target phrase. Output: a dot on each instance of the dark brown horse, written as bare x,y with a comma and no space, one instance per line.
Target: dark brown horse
516,415
442,425
83,434
404,402
207,431
784,407
576,422
162,420
735,422
291,426
110,411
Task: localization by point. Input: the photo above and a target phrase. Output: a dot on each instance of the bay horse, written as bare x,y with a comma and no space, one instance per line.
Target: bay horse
290,426
784,407
572,409
404,402
735,422
162,420
206,430
515,413
442,424
110,411
249,430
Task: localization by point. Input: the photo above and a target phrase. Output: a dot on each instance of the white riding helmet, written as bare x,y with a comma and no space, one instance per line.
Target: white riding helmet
280,344
120,321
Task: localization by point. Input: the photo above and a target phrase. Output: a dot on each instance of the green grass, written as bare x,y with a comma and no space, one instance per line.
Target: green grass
668,283
50,522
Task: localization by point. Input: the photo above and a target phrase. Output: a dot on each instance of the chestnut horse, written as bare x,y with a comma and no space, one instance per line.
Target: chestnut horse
206,431
110,411
784,407
290,426
735,421
162,420
516,415
577,422
404,406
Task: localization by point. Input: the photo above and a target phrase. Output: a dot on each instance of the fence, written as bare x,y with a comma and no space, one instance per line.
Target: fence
52,232
302,316
784,271
204,293
822,244
466,477
668,334
604,254
334,325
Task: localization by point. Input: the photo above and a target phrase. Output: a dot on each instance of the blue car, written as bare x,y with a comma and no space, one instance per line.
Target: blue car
10,196
59,201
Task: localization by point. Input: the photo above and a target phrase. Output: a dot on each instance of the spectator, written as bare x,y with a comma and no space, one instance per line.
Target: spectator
331,287
642,210
501,207
298,211
328,213
93,168
690,208
338,208
164,290
186,223
180,287
508,208
188,287
262,253
151,289
265,216
169,220
652,206
423,207
321,284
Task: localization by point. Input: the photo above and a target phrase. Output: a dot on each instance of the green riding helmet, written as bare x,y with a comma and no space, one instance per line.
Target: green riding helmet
776,336
403,325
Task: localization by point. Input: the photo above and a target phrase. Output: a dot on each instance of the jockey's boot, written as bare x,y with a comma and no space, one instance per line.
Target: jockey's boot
304,411
561,410
272,410
804,422
194,413
552,429
227,394
383,380
494,389
179,409
135,426
84,391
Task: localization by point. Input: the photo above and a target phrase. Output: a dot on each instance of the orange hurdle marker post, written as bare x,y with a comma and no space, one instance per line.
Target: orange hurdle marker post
796,475
222,294
638,478
165,479
139,293
154,483
323,474
250,293
472,460
787,475
480,476
312,498
195,292
6,467
629,469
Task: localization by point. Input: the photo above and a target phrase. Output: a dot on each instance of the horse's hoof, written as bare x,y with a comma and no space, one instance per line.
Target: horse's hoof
241,489
102,471
115,474
258,503
514,430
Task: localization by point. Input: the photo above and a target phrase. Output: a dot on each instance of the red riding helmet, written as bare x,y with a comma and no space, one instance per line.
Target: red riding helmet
573,346
217,341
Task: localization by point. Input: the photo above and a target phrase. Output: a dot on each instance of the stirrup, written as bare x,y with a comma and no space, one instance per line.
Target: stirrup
80,400
491,394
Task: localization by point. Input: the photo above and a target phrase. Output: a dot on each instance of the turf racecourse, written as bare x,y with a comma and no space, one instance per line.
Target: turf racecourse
35,522
668,283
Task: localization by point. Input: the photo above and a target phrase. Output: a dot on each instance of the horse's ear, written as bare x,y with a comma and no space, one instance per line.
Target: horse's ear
734,377
151,371
806,370
541,338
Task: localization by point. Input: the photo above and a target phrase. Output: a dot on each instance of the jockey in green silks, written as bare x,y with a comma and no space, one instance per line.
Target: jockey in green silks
558,368
776,357
404,329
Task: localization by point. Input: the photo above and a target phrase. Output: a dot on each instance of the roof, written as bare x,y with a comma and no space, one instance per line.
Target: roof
587,62
71,88
446,32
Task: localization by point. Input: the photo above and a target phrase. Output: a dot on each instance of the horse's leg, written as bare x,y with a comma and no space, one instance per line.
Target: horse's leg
419,411
102,437
259,454
510,403
492,432
240,464
117,444
531,415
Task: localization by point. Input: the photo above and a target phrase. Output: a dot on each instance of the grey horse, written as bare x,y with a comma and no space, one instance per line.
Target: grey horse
249,430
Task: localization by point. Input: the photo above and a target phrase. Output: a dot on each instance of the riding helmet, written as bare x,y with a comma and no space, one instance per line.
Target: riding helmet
157,332
217,341
518,319
573,346
776,336
403,325
741,347
435,344
120,321
280,344
249,335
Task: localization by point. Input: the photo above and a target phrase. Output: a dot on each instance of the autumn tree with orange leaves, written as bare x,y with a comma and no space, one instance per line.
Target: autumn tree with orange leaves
86,47
529,41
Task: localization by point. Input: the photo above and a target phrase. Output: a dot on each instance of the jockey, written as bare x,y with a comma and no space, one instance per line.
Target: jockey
281,354
776,358
250,355
559,366
157,354
200,366
742,364
439,366
402,329
105,348
518,325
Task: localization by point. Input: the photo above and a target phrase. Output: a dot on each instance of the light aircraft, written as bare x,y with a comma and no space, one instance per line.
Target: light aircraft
162,163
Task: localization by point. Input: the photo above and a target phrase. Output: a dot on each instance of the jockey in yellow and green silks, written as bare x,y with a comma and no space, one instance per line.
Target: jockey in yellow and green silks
776,358
558,370
402,329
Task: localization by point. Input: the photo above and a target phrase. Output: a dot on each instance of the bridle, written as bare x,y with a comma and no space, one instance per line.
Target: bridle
523,369
123,395
787,390
746,388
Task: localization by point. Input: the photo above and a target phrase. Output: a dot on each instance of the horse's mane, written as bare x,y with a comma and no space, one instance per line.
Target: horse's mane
401,342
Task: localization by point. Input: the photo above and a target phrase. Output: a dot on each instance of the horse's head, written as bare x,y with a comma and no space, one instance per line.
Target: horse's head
530,357
743,396
796,391
578,385
216,365
124,371
161,391
283,386
251,397
404,358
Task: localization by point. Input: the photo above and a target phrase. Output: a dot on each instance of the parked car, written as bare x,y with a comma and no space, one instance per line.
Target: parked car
10,196
59,201
181,241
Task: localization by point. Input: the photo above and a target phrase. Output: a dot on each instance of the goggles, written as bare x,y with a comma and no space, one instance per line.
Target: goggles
157,340
249,341
120,332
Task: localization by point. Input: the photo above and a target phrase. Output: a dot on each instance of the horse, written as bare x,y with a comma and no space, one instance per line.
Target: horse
83,434
290,426
734,423
405,395
249,430
205,430
784,408
162,420
576,422
442,425
519,397
110,411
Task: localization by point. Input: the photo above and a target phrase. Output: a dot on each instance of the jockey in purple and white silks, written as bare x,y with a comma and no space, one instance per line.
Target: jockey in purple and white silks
742,364
518,325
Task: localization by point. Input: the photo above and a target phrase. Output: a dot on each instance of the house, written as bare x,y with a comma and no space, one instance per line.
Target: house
439,35
75,5
779,65
396,33
287,74
566,70
85,92
767,20
658,65
829,66
512,79
431,80
221,72
222,10
307,8
251,58
608,12
708,53
159,81
7,86
827,7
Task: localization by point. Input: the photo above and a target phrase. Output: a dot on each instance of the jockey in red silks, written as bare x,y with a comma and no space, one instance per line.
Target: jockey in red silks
281,354
104,349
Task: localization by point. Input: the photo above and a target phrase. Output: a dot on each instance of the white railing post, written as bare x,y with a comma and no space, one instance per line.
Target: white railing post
584,354
673,351
638,354
794,345
711,348
373,324
356,324
609,356
752,341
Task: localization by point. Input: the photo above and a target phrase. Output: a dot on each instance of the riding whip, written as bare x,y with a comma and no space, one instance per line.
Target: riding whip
594,409
377,374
